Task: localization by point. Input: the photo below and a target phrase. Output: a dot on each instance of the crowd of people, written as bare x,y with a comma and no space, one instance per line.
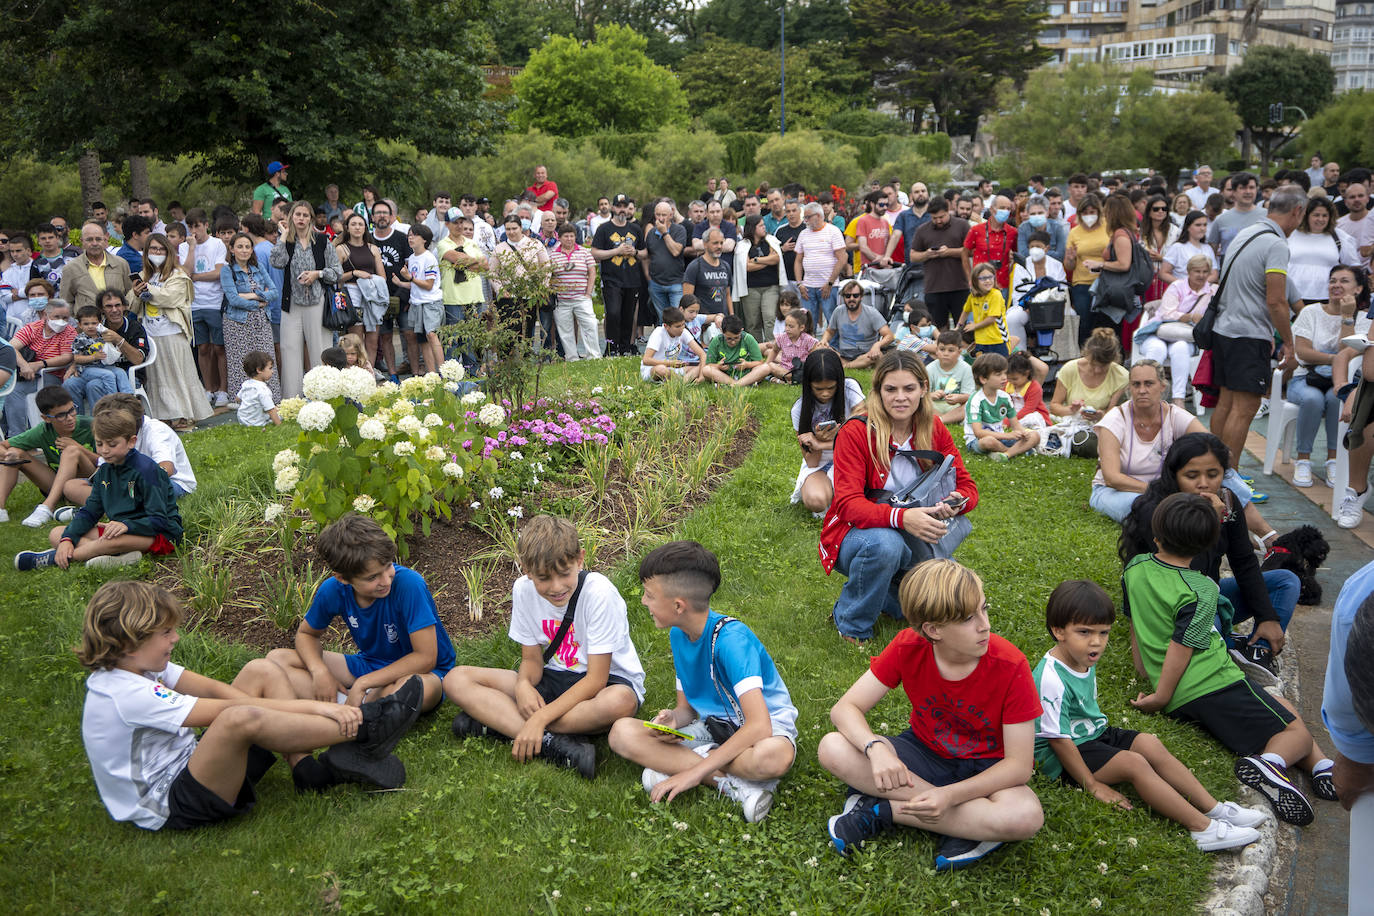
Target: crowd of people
1254,275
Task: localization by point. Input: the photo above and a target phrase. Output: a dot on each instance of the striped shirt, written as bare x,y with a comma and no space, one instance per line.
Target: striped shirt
570,271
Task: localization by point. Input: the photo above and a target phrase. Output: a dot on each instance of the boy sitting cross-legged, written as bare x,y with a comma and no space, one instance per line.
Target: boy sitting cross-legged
1074,742
573,680
390,615
141,706
960,770
732,706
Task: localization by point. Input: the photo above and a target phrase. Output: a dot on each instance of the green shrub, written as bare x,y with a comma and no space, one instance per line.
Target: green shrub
902,159
866,123
675,164
805,158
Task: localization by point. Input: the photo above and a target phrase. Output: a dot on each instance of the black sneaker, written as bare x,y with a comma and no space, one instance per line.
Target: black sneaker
347,763
1258,664
1323,786
312,776
953,853
465,726
1271,781
863,816
386,721
570,752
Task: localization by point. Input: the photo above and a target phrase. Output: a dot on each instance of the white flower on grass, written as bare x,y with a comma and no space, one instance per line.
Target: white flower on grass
813,862
516,456
364,504
1132,842
745,837
556,894
373,429
679,825
453,469
1095,903
1102,868
472,399
435,453
496,493
287,478
273,512
410,425
356,382
433,419
451,370
598,389
516,512
403,449
317,415
403,408
629,414
284,458
474,506
289,408
492,415
535,482
322,383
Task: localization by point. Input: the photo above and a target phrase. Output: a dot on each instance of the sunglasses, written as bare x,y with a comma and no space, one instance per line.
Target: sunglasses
853,295
69,412
1159,209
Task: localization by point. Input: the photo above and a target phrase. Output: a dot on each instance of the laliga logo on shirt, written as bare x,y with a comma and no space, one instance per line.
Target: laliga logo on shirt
164,693
391,634
352,621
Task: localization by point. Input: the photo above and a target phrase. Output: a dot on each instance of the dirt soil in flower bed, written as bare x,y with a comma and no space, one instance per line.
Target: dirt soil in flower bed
440,556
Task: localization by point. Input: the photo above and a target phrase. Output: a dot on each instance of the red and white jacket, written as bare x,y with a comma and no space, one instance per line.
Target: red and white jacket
855,471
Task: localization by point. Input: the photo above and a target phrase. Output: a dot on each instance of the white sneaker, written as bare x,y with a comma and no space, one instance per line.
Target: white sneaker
113,560
1220,835
756,798
1238,816
221,399
1302,473
41,515
1330,472
1263,410
651,778
64,514
1350,516
4,516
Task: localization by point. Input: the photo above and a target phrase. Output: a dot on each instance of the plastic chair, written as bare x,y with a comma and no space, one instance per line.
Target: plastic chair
1282,431
1341,478
133,377
12,326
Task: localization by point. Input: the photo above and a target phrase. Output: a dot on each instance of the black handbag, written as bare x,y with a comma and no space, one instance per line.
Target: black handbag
340,313
1204,333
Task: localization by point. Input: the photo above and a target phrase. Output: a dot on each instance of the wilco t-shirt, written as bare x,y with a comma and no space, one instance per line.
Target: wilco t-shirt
381,631
962,719
620,271
711,284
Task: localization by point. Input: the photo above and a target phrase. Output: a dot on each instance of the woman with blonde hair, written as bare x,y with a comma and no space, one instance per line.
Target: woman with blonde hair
161,298
308,262
1088,387
872,541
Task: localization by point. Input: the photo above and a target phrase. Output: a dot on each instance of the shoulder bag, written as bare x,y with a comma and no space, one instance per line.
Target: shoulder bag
930,486
721,728
566,623
1204,331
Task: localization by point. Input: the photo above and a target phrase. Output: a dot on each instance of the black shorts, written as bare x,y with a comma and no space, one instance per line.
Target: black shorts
1104,747
1241,363
191,805
917,757
1242,716
557,682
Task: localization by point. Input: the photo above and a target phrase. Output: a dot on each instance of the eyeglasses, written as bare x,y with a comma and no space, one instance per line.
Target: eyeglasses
1159,209
853,295
69,412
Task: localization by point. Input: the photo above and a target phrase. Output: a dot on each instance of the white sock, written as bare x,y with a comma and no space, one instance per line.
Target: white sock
1214,813
1323,765
1275,759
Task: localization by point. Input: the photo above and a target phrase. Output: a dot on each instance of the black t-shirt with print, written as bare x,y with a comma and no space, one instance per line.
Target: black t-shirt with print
620,271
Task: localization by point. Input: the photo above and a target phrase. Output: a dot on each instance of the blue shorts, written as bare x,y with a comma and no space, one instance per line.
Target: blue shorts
359,664
208,325
998,348
917,757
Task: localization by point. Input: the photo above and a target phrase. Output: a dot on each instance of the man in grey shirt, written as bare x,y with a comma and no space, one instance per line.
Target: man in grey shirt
857,331
1225,227
661,257
1253,307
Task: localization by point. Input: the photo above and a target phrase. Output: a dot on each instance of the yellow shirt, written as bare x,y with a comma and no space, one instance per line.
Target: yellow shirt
97,272
851,231
1118,376
1091,244
990,306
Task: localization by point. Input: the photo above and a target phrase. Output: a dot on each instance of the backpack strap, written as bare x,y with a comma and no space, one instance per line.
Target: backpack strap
726,692
557,640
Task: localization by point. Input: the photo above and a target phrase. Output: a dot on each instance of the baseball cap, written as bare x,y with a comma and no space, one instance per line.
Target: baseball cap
484,200
454,214
274,167
620,200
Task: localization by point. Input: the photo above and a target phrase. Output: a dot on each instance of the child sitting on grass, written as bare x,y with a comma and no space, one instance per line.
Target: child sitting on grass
59,450
1027,397
733,358
141,706
256,407
789,350
579,671
736,713
916,332
1074,742
669,346
1176,646
960,770
130,490
951,379
990,424
828,398
390,615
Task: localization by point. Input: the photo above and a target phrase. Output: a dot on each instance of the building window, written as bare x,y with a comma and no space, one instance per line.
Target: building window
1056,9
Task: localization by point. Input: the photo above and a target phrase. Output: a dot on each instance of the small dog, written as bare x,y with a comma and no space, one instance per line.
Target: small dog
1301,550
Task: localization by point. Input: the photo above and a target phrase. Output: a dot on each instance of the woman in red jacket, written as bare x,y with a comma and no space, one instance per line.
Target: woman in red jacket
872,543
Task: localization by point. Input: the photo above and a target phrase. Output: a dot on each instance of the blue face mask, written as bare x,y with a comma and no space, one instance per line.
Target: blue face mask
1038,220
38,303
1002,215
926,331
525,224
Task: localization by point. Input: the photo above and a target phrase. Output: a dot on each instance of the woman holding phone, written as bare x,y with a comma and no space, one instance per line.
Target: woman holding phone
828,399
1087,387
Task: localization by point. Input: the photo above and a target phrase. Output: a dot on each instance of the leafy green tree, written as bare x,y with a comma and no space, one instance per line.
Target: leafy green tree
947,55
1270,75
1066,120
518,28
675,164
804,158
756,22
1344,130
1171,132
610,84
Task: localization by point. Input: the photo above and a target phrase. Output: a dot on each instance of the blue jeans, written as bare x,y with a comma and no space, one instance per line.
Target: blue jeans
1116,504
1283,586
17,404
819,306
1316,407
663,297
93,383
874,560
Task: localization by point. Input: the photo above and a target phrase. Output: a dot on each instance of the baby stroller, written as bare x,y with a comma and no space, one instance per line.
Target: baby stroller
1044,302
880,288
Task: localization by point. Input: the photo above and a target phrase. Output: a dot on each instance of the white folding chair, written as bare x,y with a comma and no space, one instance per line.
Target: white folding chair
1197,392
1341,478
133,377
1281,433
35,416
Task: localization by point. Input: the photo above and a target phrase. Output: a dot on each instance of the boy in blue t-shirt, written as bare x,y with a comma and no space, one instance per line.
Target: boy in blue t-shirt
734,726
389,612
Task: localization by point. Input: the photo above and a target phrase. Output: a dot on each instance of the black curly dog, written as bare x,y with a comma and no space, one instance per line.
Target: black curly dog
1301,550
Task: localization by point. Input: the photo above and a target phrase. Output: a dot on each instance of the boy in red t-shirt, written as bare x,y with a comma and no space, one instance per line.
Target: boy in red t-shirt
960,771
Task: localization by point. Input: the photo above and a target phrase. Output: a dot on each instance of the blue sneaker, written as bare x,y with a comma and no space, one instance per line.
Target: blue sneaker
953,853
29,560
1248,478
1257,497
863,816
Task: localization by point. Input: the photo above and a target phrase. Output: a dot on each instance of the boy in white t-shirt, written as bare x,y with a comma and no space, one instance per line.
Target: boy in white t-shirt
576,677
421,275
668,350
951,380
141,708
256,407
990,424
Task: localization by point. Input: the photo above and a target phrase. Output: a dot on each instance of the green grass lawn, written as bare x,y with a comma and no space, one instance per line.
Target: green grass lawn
475,832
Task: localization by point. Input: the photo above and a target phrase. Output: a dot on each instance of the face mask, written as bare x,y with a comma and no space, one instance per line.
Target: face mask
38,303
927,331
1038,221
1002,215
1089,220
157,260
57,325
525,225
1036,254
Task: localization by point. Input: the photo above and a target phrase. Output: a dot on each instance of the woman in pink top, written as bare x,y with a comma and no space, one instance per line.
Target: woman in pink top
1167,334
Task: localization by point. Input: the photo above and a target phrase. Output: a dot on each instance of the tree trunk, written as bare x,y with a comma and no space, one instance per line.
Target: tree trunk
138,177
88,169
1245,145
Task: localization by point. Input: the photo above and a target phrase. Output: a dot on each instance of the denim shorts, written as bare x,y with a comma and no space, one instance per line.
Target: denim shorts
208,325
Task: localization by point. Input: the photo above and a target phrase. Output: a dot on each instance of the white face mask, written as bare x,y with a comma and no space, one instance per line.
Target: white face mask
157,260
1089,220
57,325
1036,254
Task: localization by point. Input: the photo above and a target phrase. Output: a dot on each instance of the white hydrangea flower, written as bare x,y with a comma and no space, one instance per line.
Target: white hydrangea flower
472,399
273,512
287,478
372,428
496,492
289,408
317,448
454,469
357,383
322,383
364,504
517,456
403,449
598,389
413,387
436,453
492,415
432,380
410,425
317,415
433,419
452,370
516,512
284,458
403,408
388,387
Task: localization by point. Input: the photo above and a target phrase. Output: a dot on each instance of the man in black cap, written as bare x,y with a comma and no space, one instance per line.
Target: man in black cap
622,279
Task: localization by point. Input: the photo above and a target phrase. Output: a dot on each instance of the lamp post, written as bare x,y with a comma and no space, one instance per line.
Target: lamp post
782,68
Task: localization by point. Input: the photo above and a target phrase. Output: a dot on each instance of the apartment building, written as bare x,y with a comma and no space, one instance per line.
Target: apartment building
1352,45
